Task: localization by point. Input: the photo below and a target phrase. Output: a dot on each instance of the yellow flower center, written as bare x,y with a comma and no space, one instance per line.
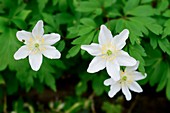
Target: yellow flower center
36,45
124,78
109,52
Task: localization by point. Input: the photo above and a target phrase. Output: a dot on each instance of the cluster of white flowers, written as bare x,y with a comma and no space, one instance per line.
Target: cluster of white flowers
108,53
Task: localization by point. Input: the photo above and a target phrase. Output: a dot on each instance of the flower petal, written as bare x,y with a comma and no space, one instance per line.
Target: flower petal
132,68
35,61
105,35
113,69
22,53
93,49
138,76
96,65
114,89
51,52
124,59
120,39
38,30
24,36
51,39
109,81
126,92
134,86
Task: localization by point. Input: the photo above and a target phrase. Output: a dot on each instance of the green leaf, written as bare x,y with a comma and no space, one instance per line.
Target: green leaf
85,76
149,23
97,85
156,71
73,51
55,2
81,88
23,14
134,32
49,19
45,70
163,5
29,81
163,80
120,25
142,10
50,81
64,18
111,108
153,56
155,28
63,5
3,24
153,41
138,52
85,39
164,45
85,30
166,29
108,3
88,22
8,45
88,6
141,25
41,4
114,13
168,89
2,81
19,23
166,13
146,1
60,45
130,4
73,32
60,64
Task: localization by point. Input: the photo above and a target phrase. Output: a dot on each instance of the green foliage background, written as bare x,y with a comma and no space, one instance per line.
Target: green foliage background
78,23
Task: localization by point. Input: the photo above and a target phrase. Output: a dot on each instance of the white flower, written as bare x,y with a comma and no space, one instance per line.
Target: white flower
37,44
108,53
127,81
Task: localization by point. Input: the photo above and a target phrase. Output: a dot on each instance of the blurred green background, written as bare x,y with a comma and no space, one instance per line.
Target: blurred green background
64,86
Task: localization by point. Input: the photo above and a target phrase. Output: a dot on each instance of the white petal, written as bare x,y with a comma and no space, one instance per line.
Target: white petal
126,92
109,81
120,40
51,39
51,52
134,86
22,53
113,90
35,61
132,68
38,30
96,65
93,49
124,59
24,36
105,35
138,76
113,69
